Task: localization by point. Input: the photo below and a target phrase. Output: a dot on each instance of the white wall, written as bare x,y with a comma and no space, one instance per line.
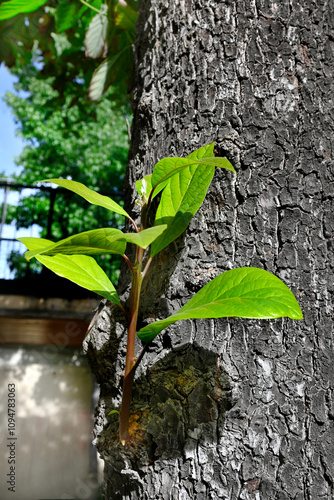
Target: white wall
53,422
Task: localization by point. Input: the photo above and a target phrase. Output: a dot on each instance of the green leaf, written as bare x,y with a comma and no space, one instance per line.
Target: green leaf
90,195
112,412
96,34
247,292
98,84
101,77
67,14
203,152
168,167
94,242
144,238
144,186
182,197
14,7
125,18
84,271
35,243
81,269
180,200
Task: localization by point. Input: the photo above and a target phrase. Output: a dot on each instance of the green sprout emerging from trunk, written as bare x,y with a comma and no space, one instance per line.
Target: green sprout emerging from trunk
246,292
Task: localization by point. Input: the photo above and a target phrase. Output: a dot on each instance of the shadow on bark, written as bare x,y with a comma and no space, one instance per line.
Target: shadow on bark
180,398
102,346
177,401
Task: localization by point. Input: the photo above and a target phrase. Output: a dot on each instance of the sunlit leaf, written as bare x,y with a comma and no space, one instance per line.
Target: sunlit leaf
247,292
35,243
14,7
81,269
99,82
94,242
182,197
95,39
168,167
84,271
89,195
144,238
112,412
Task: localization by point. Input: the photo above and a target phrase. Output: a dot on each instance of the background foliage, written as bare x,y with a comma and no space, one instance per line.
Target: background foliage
73,39
56,53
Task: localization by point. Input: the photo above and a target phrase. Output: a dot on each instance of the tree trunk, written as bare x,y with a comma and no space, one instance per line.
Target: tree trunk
231,409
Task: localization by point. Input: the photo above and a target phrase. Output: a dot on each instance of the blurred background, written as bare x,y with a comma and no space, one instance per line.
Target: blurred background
65,112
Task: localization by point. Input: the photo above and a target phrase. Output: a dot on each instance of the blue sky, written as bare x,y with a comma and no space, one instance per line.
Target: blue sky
10,144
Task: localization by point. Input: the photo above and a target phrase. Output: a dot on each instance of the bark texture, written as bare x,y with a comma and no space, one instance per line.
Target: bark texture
232,409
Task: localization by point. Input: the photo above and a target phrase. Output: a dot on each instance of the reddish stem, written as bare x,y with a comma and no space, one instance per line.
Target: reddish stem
134,224
130,353
128,262
130,365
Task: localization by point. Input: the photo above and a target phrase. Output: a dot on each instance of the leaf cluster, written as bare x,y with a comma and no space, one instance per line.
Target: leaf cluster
52,34
183,183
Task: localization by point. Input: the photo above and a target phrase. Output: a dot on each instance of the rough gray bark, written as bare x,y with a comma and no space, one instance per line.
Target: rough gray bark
232,409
